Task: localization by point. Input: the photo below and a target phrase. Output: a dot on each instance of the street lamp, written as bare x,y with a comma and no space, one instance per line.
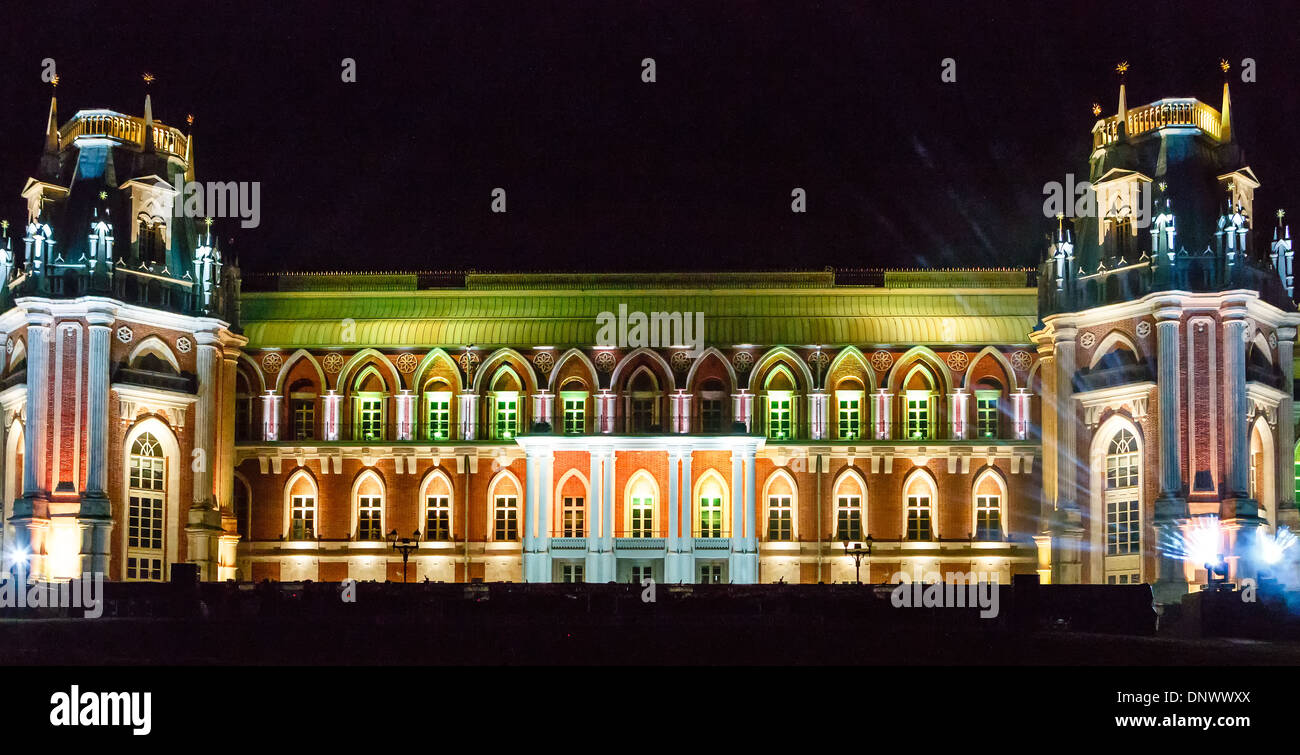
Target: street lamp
406,546
858,551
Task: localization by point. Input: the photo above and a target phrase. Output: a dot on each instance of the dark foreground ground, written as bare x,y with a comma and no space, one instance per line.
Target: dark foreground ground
510,624
545,641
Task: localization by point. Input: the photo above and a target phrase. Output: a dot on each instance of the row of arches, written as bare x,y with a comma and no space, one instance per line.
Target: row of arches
371,389
643,512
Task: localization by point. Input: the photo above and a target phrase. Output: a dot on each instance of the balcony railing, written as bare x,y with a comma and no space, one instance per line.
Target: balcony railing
1179,111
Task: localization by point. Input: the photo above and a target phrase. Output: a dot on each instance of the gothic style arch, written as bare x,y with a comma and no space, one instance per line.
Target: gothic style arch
301,482
172,461
998,357
367,483
589,370
1111,341
155,346
641,485
780,484
1098,450
712,485
504,485
287,367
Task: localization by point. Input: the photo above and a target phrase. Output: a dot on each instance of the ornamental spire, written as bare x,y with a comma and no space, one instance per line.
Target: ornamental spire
1225,112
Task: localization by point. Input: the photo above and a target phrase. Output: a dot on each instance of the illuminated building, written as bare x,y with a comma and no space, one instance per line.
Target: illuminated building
996,421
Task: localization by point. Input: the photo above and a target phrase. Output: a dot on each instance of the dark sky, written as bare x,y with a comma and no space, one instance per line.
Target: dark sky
605,172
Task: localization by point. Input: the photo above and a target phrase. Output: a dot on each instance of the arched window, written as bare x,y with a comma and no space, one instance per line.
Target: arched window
368,401
643,400
918,507
505,404
848,398
504,494
573,405
147,496
437,409
639,502
987,413
368,492
850,493
918,410
779,495
571,493
302,409
1123,564
437,495
713,401
989,497
302,507
779,397
710,517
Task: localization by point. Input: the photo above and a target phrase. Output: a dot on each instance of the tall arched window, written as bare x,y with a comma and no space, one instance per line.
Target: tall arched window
989,499
504,494
711,513
302,506
1123,563
779,495
147,495
437,511
918,511
850,493
369,495
639,503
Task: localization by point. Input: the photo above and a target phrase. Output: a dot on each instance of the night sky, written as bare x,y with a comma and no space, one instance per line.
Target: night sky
604,172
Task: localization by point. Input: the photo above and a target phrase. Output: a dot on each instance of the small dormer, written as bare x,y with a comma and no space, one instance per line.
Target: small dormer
152,203
1119,206
39,193
1240,185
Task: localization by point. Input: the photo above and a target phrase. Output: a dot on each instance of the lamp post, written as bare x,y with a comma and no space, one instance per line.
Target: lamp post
857,551
406,546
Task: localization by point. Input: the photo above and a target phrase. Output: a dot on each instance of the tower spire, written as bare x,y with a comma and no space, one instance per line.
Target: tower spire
49,168
1122,69
148,114
189,148
1225,112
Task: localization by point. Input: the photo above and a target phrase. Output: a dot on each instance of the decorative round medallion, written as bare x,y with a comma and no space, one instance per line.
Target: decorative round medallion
272,362
1144,329
882,360
681,361
9,345
605,361
958,361
1272,340
333,362
544,361
819,359
124,334
1087,340
1022,360
406,363
743,361
183,345
468,361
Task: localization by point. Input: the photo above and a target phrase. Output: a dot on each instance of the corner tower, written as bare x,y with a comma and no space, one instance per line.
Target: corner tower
1166,333
120,336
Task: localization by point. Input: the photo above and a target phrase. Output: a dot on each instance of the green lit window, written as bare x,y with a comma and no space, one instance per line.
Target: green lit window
507,415
370,417
438,416
575,413
710,517
918,415
643,510
778,415
850,414
986,414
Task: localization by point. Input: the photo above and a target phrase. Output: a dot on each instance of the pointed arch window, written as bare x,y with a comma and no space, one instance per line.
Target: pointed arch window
436,494
146,499
640,502
437,410
850,492
918,512
504,494
990,496
848,398
780,510
1123,502
573,405
369,402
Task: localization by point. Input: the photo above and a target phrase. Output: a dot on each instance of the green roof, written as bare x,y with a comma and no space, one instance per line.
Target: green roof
523,310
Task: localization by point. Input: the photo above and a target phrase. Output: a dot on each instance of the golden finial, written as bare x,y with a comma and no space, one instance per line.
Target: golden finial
1122,67
1096,109
54,81
148,78
189,119
4,225
1163,186
1280,214
103,195
207,222
1224,65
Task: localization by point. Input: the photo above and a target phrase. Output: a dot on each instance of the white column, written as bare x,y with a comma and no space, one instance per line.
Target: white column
818,402
38,377
884,414
607,503
686,545
205,416
1020,404
1167,362
545,483
333,403
405,415
542,405
751,512
468,415
1066,475
595,521
97,408
670,559
742,406
530,506
1234,347
958,400
270,416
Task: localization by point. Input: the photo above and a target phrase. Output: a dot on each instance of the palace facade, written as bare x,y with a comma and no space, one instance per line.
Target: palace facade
158,408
